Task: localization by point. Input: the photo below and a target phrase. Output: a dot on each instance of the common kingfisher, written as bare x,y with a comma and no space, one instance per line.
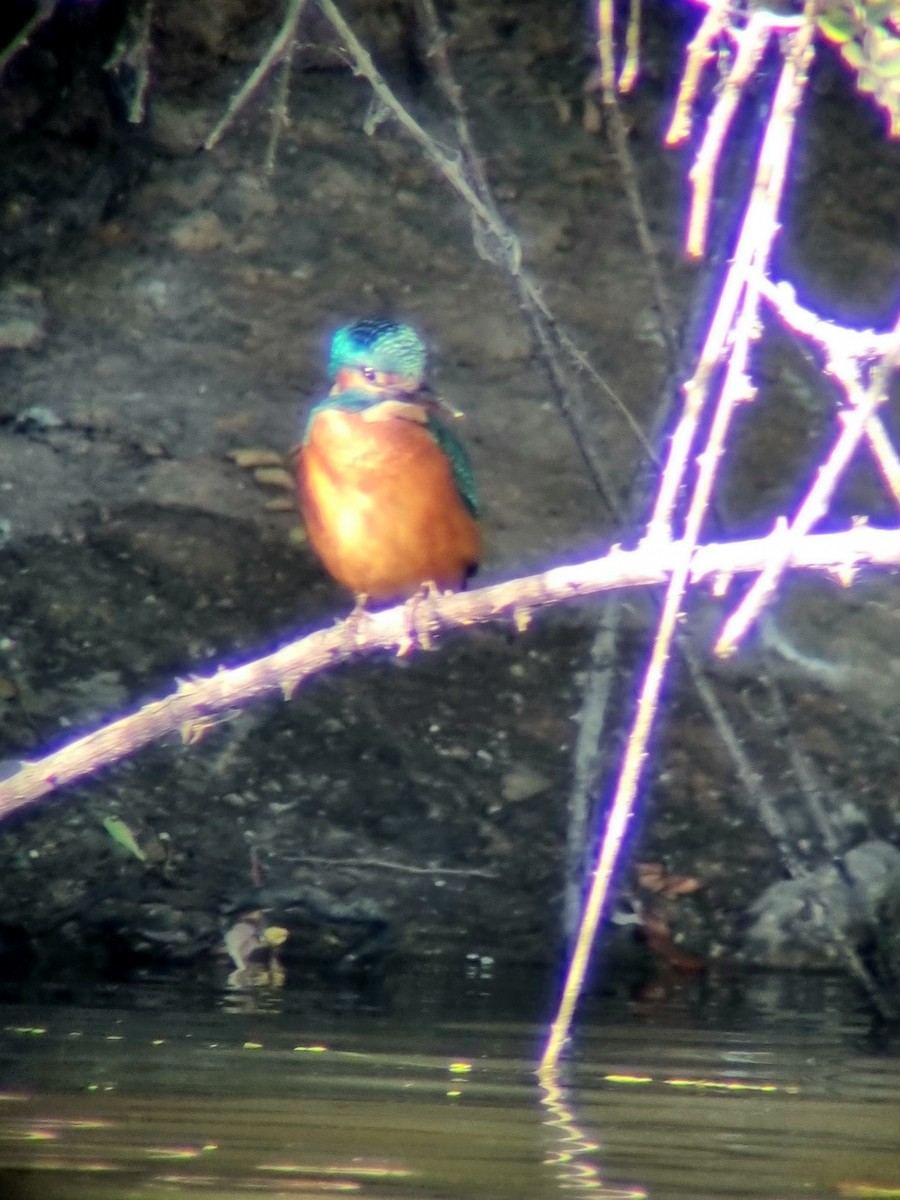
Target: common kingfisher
385,488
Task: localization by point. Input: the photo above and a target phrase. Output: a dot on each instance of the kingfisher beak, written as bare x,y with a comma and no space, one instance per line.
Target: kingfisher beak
426,395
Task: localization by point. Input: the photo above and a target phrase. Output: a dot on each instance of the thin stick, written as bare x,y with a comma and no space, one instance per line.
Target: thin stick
586,762
764,203
753,41
814,505
41,14
848,353
629,173
382,864
279,109
279,46
700,53
629,73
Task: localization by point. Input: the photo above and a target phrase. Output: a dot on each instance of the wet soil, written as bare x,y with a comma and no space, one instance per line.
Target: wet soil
172,306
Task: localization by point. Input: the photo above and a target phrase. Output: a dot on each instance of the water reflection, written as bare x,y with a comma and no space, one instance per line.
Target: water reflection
436,1095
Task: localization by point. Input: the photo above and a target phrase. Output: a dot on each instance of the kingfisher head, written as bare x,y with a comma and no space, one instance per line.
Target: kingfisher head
377,356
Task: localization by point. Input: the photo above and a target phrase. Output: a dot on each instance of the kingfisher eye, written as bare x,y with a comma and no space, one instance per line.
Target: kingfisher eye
370,374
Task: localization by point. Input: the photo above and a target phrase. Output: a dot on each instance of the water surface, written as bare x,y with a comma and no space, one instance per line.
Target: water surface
780,1092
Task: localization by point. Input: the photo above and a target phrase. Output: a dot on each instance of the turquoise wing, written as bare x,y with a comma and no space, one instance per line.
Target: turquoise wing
463,474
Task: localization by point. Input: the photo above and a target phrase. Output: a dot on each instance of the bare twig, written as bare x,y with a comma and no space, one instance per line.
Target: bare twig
281,45
628,171
132,51
848,355
739,291
279,109
815,504
700,52
200,703
587,761
629,73
42,14
754,247
751,45
382,864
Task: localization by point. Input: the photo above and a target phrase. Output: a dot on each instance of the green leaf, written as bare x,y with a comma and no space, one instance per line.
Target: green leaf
885,51
877,12
837,26
853,56
122,835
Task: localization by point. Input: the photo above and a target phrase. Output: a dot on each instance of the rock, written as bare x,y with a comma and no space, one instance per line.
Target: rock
23,317
521,783
200,232
253,197
177,128
544,230
793,920
38,417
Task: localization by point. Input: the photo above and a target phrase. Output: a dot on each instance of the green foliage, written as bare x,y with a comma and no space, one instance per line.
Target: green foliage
122,835
867,34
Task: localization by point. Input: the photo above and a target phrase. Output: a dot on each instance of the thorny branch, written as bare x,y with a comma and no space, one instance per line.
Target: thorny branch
848,355
815,503
200,703
734,326
628,170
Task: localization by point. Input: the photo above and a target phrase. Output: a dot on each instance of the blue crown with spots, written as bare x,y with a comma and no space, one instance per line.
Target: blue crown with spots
381,345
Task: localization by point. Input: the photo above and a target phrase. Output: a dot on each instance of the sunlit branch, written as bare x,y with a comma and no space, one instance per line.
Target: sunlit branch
814,505
754,247
751,44
848,355
747,267
199,703
700,53
630,65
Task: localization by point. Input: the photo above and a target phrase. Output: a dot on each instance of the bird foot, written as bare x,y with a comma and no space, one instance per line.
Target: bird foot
354,624
418,619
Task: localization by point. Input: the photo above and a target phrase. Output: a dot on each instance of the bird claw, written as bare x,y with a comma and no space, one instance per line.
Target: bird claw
353,625
418,619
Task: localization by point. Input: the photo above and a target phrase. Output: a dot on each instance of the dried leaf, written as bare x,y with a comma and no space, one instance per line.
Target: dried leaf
655,878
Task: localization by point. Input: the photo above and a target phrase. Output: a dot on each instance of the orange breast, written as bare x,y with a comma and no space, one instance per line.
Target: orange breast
381,507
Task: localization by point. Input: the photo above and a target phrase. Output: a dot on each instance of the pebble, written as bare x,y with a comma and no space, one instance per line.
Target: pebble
521,783
177,128
38,417
792,920
23,317
200,232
